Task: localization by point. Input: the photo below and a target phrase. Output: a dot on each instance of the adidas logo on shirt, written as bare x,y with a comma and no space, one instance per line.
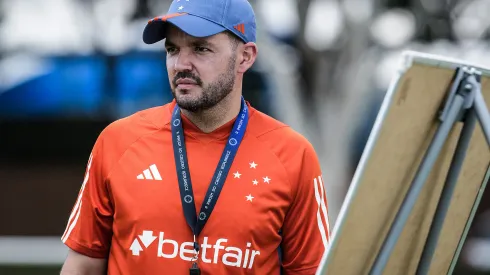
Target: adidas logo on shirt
150,174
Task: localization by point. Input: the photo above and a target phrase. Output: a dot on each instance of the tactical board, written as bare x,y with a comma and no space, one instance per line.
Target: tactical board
398,141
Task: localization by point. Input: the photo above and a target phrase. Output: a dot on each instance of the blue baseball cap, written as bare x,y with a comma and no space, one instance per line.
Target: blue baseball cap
202,18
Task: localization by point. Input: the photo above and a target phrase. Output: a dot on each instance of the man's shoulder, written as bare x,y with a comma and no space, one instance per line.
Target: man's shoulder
122,132
269,129
140,123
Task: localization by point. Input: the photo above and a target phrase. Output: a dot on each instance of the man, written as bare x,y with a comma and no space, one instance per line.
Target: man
205,184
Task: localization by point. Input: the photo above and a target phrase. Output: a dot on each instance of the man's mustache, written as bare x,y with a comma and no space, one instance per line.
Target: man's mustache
189,75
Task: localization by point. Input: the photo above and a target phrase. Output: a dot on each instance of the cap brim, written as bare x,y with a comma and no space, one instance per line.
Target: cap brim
156,30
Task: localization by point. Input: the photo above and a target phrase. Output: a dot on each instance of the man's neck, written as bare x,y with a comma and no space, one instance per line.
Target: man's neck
215,117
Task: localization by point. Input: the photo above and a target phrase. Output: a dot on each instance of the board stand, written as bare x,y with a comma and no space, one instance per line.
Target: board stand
465,103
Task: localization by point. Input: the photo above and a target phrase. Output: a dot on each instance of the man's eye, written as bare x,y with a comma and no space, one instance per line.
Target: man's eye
170,50
201,49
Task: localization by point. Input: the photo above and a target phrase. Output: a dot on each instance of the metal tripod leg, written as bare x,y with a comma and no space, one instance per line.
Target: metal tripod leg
418,183
469,222
483,115
447,192
477,110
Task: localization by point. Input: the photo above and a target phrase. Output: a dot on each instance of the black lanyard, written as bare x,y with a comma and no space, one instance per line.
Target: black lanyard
187,196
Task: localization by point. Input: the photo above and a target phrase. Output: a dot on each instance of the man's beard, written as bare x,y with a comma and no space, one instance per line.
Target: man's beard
211,94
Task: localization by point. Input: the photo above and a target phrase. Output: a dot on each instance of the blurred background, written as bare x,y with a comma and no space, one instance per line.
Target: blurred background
68,68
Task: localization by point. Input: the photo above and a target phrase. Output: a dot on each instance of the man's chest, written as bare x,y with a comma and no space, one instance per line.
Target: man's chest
248,215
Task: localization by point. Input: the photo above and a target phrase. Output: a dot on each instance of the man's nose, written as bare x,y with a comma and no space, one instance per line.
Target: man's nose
183,62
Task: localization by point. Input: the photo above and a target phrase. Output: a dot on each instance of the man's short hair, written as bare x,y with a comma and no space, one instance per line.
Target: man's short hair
234,40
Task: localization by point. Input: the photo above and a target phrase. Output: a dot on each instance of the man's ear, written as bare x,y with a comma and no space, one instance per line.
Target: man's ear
249,53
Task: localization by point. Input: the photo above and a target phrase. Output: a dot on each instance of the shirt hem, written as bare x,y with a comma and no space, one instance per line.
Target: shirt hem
84,250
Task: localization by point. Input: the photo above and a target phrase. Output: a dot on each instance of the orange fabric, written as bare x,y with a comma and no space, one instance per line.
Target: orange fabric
168,16
240,28
273,197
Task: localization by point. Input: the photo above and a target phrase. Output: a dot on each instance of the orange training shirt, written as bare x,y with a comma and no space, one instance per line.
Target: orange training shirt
129,208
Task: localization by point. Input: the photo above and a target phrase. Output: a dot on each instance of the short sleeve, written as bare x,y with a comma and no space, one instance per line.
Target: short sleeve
306,226
88,230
